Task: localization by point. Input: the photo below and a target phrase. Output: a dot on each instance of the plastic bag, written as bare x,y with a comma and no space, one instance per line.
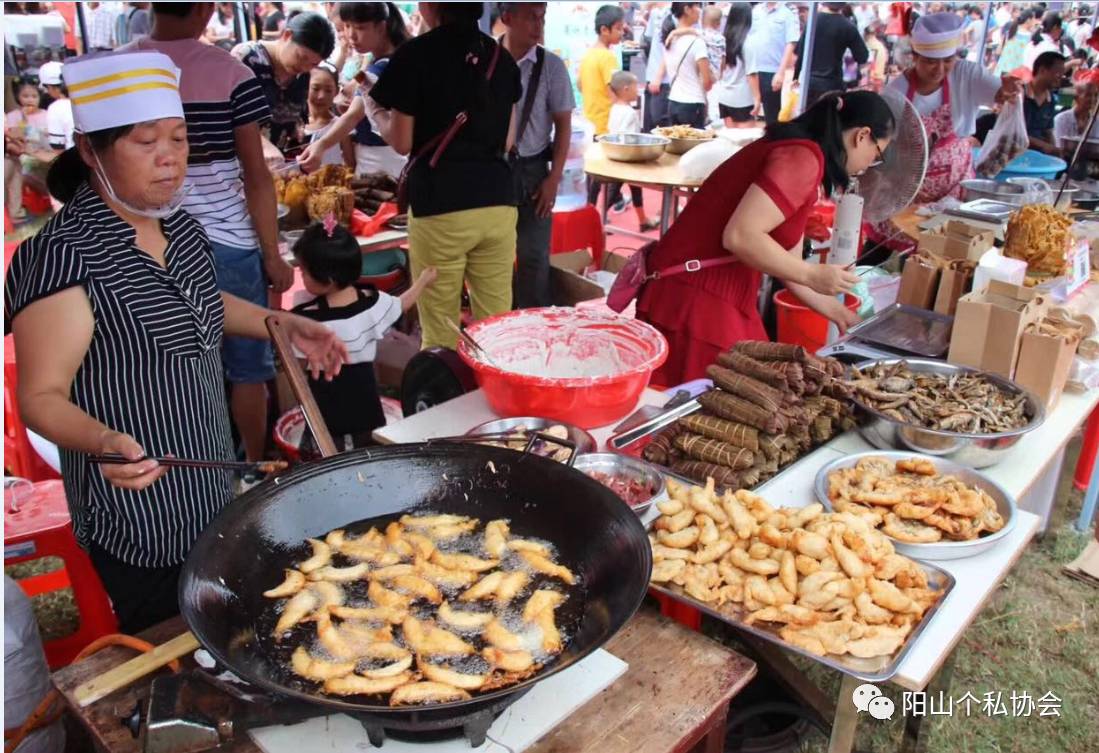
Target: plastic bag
1006,141
1035,190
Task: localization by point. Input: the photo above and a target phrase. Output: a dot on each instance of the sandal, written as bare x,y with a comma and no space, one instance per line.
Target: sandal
648,225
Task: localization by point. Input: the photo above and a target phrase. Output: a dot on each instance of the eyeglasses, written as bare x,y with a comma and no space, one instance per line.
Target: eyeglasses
881,157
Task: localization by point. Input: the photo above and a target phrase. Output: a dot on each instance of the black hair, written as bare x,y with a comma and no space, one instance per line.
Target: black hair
1046,60
667,26
177,10
17,85
69,171
678,9
826,120
608,16
837,7
1050,21
312,31
1011,30
278,6
366,13
737,27
337,259
464,14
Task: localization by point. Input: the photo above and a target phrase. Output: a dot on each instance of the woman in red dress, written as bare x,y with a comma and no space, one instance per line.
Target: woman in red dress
751,213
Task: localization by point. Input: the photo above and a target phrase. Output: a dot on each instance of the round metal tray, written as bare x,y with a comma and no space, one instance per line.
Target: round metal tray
940,550
613,464
973,450
584,441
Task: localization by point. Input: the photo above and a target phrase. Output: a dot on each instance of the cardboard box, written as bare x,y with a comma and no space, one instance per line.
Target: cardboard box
1044,365
567,279
919,282
957,240
989,325
955,281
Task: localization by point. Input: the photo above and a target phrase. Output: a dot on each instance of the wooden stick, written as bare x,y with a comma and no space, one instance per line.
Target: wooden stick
300,386
133,670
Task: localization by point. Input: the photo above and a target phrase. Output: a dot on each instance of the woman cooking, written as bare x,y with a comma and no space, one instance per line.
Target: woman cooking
748,219
947,93
118,324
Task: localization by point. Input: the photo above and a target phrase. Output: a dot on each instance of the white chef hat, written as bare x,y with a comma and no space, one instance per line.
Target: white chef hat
49,73
938,35
108,91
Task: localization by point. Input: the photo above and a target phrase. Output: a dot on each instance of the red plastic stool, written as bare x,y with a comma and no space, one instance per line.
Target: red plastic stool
685,615
20,457
580,228
1088,449
37,524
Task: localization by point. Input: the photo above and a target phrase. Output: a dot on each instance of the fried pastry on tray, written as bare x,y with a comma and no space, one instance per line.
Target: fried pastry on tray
826,583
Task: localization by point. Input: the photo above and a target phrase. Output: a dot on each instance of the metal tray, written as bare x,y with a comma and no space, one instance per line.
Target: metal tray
985,210
876,669
908,329
940,550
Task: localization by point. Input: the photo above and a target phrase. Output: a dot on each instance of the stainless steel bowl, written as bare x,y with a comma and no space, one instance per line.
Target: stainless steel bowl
584,441
972,450
990,189
940,550
682,146
613,464
633,147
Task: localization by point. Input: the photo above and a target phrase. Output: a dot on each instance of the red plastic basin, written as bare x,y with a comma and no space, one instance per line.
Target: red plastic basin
580,367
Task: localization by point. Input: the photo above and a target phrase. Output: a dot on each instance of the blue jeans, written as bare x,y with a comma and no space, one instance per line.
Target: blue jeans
240,273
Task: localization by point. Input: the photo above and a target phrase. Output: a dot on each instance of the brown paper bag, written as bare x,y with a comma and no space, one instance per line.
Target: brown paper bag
919,281
989,324
1044,364
954,282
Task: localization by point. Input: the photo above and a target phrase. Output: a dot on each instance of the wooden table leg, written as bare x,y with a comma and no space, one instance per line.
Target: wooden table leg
846,720
714,739
915,734
790,677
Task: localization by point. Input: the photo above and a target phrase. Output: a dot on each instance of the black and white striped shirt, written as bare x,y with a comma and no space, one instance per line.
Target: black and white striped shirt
153,370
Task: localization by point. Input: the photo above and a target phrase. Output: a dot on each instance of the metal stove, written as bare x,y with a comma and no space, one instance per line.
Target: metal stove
195,711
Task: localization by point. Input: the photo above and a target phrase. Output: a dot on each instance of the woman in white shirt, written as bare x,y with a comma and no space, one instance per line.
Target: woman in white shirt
738,98
688,63
1049,39
1071,123
947,92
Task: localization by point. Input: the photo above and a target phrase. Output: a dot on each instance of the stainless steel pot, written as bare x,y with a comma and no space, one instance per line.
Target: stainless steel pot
624,466
633,147
978,188
940,550
972,450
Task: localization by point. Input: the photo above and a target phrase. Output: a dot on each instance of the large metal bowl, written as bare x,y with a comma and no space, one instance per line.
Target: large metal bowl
683,145
633,147
995,191
584,441
940,550
971,450
613,464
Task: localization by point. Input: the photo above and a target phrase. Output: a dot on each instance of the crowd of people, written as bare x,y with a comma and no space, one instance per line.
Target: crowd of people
147,292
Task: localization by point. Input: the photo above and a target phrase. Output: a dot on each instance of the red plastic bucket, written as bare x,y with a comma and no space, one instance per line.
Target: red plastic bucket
797,324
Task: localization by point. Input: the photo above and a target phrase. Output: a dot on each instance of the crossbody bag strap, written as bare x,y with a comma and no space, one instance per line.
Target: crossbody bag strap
682,60
442,141
692,265
528,103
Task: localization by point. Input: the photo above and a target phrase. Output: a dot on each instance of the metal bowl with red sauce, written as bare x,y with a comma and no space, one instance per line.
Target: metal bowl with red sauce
637,483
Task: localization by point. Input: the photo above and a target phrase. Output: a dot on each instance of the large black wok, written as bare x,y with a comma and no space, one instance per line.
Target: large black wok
244,550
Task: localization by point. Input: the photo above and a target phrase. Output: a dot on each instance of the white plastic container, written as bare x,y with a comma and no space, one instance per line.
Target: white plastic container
572,193
996,266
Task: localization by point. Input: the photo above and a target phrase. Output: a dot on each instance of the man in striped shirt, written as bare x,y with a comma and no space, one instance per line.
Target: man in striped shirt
231,193
101,27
